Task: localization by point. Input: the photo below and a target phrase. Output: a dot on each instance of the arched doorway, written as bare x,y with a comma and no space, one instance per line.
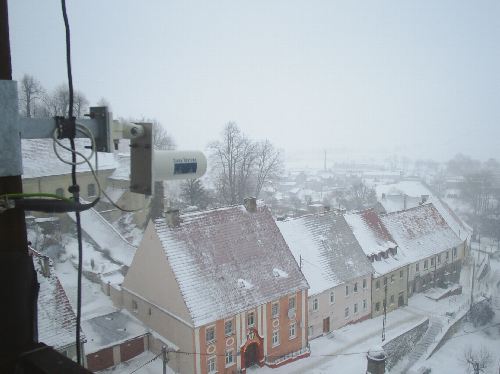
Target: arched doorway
251,355
252,352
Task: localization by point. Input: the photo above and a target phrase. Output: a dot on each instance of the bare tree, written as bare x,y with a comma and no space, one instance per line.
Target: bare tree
269,164
162,140
104,102
57,103
80,104
246,168
477,361
31,92
227,156
241,165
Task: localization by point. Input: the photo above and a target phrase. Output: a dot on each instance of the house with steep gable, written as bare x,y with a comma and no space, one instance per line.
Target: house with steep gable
223,287
433,250
56,318
390,265
335,267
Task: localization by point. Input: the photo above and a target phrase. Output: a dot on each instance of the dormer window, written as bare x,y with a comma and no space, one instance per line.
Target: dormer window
278,273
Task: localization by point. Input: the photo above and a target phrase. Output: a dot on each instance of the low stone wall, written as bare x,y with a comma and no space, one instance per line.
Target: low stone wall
401,345
452,328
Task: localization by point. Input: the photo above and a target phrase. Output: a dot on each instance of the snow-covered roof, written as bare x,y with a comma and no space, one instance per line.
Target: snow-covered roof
39,159
56,318
414,189
397,202
329,251
376,241
106,236
111,329
122,171
224,261
420,232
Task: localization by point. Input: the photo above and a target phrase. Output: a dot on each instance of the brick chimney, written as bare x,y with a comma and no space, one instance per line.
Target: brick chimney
172,217
157,202
250,204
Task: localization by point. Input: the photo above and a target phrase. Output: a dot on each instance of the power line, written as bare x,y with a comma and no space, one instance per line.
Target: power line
146,363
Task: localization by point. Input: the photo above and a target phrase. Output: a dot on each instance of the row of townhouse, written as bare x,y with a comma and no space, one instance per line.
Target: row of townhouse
231,288
358,263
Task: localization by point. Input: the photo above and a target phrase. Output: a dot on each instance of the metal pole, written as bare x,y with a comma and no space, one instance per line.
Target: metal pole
385,312
164,354
17,274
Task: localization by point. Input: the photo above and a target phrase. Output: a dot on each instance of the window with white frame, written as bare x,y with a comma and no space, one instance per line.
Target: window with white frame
250,319
347,290
291,330
346,312
134,306
229,358
417,267
355,308
364,304
356,287
432,261
392,299
332,297
377,284
276,338
455,252
385,281
211,364
315,304
275,309
210,334
228,327
364,284
291,303
392,278
426,264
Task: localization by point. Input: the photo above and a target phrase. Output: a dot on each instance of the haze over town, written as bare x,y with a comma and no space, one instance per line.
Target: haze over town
416,79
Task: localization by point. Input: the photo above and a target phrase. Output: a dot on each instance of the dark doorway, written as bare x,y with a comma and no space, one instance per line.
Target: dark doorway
326,325
251,355
401,300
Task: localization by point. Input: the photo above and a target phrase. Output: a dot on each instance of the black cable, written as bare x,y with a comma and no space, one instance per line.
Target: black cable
74,189
52,206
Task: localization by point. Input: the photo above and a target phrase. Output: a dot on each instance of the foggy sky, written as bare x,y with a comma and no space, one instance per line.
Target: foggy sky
416,78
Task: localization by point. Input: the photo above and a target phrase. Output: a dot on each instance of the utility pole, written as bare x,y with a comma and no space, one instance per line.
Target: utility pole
385,310
19,287
165,358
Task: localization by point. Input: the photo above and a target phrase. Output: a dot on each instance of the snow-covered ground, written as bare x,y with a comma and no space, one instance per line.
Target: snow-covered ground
345,350
94,301
145,363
